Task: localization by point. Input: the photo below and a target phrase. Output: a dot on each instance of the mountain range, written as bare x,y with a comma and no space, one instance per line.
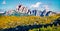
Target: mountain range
24,11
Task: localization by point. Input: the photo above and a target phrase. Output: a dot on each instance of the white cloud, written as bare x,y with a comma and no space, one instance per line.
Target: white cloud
4,2
35,5
46,7
40,6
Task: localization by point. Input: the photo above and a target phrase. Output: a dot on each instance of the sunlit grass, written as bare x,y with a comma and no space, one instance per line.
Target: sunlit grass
13,21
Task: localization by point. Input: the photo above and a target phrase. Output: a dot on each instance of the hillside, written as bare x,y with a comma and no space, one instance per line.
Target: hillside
13,21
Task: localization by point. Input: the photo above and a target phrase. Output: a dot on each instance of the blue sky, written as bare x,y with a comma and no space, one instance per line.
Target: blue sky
53,5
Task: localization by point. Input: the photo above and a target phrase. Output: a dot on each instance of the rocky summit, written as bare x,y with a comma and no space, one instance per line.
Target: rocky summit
22,10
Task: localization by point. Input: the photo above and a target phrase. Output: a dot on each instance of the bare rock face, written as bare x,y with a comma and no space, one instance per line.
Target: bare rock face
9,12
19,9
52,13
22,9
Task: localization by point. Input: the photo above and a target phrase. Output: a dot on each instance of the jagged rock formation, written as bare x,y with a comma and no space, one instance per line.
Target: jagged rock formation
22,10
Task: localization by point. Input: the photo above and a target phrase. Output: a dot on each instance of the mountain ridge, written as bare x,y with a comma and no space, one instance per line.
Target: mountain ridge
22,11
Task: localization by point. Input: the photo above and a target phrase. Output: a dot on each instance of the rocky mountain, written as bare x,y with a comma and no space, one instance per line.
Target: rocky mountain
24,11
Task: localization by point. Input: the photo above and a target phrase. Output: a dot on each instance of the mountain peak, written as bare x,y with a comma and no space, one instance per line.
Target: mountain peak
22,9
